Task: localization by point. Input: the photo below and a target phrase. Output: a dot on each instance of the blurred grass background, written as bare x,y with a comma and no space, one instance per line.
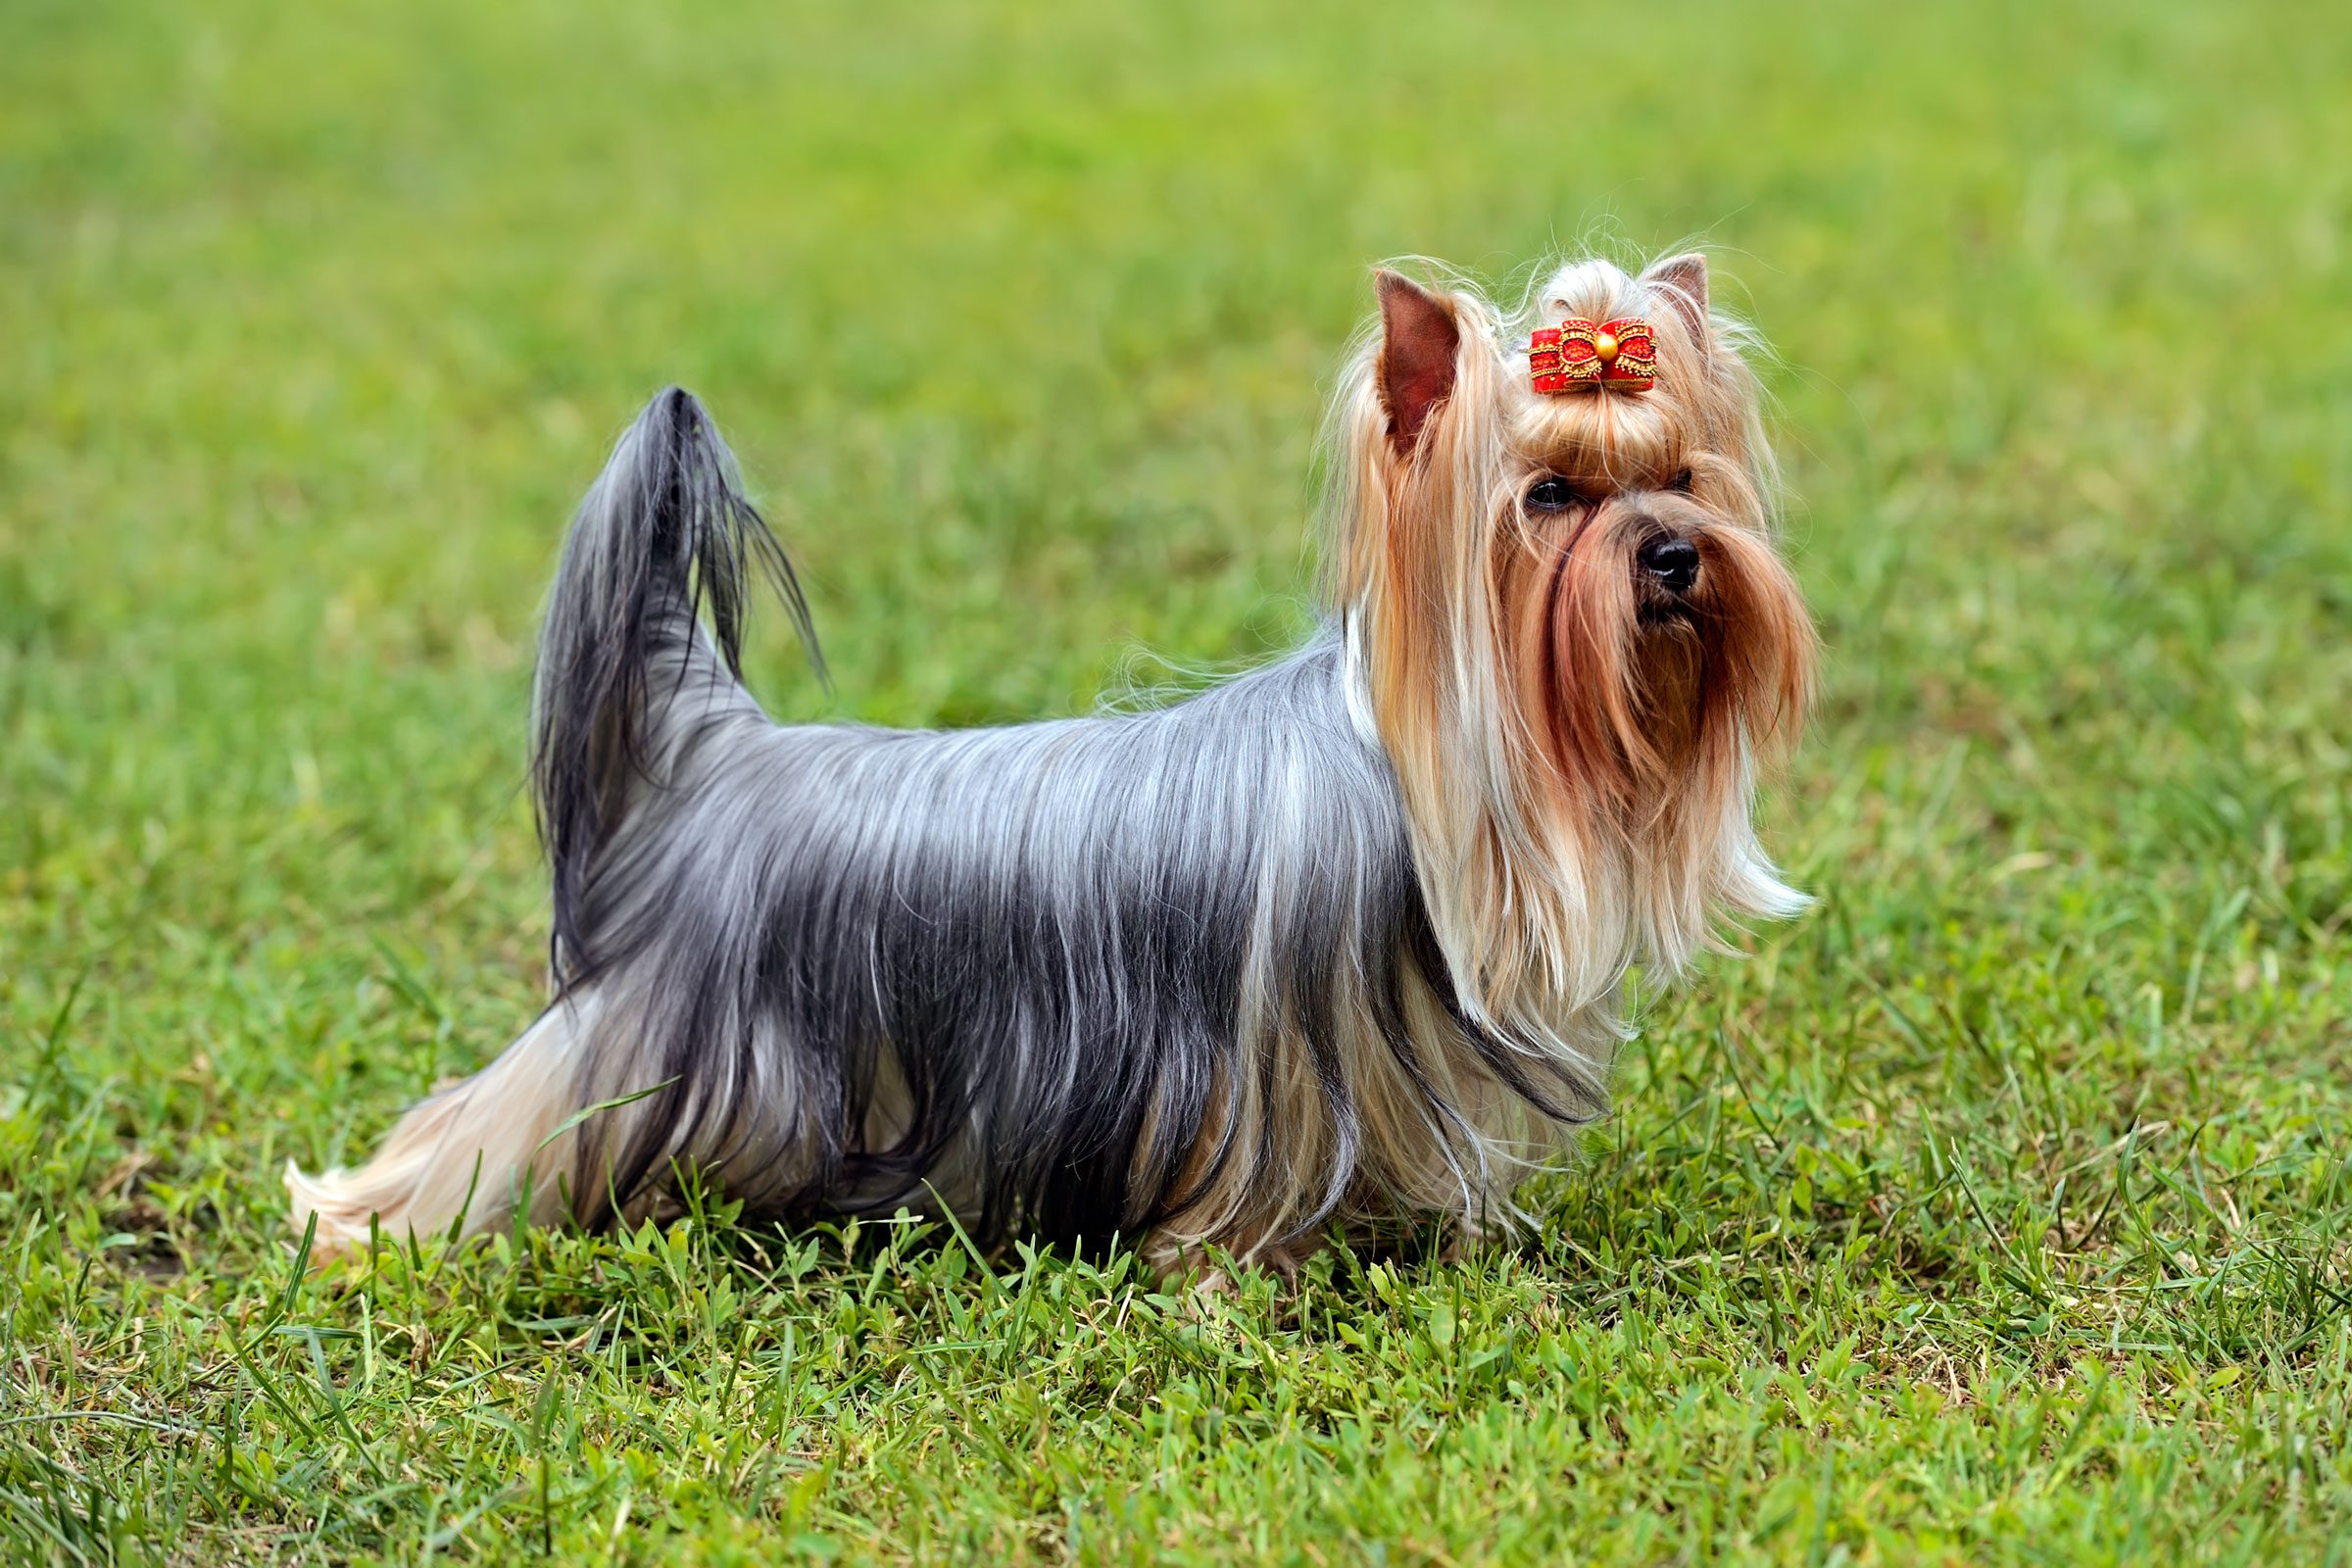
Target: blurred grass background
1994,1211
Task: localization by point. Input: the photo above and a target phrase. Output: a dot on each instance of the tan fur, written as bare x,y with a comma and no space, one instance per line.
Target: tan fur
1576,779
501,1120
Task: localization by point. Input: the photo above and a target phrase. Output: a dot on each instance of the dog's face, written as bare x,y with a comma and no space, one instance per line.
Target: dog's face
1573,631
1609,539
1653,628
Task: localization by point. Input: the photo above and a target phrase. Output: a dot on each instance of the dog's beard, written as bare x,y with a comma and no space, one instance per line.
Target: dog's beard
1647,704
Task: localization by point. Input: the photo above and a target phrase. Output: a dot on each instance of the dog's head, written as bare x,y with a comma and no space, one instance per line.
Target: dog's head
1553,548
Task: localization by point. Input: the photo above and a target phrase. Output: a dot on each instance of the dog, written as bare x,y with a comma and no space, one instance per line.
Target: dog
1340,947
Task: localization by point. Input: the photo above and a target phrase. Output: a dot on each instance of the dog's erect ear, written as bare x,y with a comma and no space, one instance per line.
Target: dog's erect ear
1418,340
1682,283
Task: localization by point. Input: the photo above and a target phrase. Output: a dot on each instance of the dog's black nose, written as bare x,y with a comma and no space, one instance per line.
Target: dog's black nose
1671,563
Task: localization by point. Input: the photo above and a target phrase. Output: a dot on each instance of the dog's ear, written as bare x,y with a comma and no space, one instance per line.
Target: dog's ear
1418,341
1682,283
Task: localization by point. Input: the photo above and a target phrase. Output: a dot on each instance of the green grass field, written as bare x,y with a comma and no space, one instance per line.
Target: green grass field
1998,1212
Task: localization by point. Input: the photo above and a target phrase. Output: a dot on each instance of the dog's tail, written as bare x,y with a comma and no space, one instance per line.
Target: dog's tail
663,531
628,677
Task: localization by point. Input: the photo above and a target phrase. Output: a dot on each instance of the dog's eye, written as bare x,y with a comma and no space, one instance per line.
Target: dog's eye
1553,494
1681,481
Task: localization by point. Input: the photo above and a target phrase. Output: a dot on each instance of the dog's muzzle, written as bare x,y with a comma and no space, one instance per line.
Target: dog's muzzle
1671,564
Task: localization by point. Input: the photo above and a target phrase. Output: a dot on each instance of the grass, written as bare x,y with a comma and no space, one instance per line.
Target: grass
1998,1212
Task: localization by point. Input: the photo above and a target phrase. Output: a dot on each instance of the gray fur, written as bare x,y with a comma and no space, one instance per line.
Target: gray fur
1027,968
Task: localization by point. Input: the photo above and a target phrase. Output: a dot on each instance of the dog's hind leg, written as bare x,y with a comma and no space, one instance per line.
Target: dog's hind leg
465,1159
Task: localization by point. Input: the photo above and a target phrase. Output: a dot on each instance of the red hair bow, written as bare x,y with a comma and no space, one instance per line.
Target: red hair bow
1618,352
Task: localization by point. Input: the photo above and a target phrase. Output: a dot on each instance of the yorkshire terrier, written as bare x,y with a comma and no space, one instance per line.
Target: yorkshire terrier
1336,947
